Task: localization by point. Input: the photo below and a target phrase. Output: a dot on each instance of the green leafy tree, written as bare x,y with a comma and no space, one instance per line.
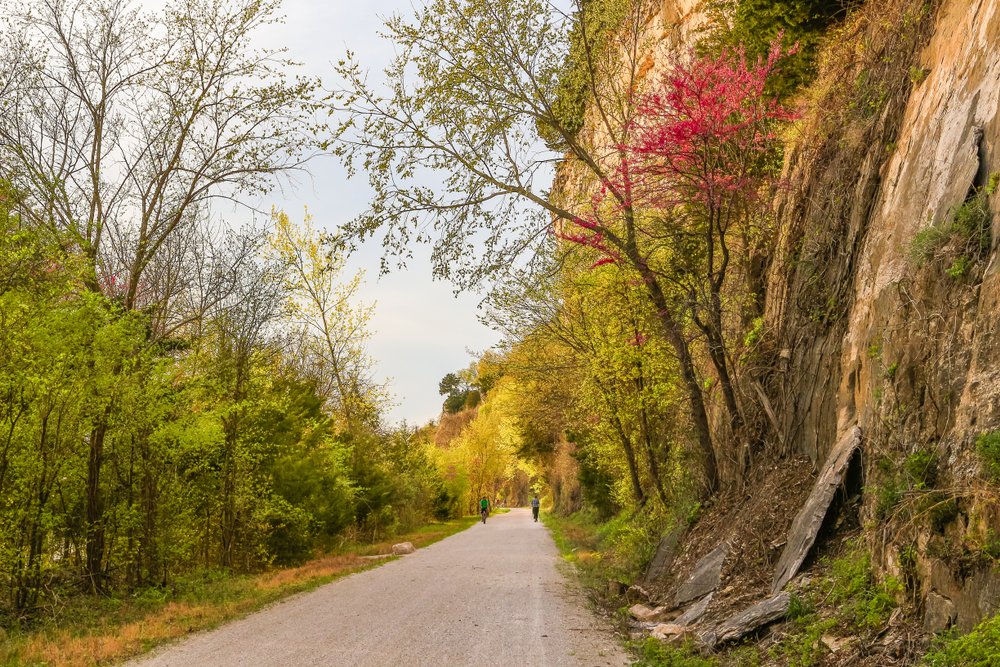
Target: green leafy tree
473,84
120,129
332,331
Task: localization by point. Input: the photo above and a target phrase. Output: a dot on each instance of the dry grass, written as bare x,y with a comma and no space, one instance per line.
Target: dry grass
321,567
174,620
113,640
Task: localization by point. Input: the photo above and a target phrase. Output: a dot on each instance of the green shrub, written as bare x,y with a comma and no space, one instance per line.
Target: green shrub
864,602
972,224
969,230
939,509
926,243
922,468
918,74
746,656
990,548
799,607
994,182
889,496
754,24
988,449
979,648
960,267
804,646
658,654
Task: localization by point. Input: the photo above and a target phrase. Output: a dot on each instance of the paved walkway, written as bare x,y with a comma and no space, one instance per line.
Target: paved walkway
490,596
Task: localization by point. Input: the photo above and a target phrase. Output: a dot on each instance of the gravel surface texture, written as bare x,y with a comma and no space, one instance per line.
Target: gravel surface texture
488,596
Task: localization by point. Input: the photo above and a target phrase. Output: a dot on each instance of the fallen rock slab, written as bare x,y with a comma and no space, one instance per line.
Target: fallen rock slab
940,614
806,525
666,553
695,612
403,548
747,621
705,578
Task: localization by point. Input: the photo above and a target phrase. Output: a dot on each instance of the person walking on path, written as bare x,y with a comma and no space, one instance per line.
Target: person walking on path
534,507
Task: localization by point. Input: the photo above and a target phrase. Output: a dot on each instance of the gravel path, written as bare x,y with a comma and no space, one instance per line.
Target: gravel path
488,596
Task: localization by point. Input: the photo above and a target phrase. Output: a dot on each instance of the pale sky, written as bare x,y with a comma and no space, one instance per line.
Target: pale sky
422,329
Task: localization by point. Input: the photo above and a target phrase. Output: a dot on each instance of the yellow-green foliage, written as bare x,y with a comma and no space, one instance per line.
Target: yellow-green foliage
980,648
755,24
485,454
322,312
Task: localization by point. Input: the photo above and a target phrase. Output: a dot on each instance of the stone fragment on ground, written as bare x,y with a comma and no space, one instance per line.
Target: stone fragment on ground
706,576
834,643
403,548
747,621
694,613
645,614
666,631
806,525
616,588
666,553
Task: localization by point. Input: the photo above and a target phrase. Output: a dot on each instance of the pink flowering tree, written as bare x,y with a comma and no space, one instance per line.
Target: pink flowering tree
699,150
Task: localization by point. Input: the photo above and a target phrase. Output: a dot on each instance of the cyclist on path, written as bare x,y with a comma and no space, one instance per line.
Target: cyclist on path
534,507
484,508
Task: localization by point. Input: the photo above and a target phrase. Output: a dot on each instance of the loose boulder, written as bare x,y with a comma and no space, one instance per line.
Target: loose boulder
637,594
665,631
645,614
403,548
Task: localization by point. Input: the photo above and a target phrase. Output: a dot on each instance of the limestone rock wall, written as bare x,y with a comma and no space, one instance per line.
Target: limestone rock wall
914,355
901,348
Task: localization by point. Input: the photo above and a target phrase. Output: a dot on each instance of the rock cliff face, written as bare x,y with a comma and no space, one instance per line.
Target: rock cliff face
901,347
871,326
913,354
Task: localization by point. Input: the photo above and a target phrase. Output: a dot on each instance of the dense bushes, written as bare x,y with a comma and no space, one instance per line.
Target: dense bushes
980,648
128,459
754,24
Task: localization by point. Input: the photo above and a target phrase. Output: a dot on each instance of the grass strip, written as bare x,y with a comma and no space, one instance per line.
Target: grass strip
576,540
90,631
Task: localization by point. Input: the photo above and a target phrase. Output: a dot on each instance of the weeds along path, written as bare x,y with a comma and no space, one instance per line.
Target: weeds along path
488,596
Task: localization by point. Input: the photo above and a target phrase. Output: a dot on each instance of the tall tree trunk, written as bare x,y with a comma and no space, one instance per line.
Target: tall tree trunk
228,518
717,353
699,415
149,559
95,508
674,335
644,431
633,466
